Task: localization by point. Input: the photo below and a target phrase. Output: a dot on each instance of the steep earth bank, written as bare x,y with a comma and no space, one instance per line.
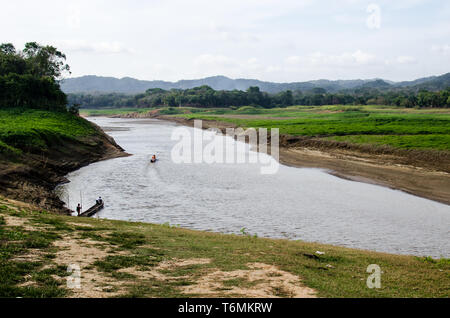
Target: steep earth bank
32,177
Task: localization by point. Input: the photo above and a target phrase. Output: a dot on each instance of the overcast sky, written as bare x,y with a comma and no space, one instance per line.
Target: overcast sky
273,40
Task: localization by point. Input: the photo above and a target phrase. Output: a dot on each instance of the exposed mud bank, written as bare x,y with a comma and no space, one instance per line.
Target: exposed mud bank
32,177
425,173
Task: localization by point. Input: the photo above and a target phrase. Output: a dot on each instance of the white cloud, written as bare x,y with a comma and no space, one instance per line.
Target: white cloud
249,38
210,64
401,60
272,69
359,57
233,34
346,59
97,47
214,60
442,49
406,60
74,17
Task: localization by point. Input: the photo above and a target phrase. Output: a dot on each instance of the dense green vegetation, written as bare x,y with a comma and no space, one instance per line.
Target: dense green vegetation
206,97
407,128
402,128
29,78
112,111
33,109
34,130
129,255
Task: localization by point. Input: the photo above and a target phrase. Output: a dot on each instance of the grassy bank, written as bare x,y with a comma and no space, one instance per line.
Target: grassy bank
112,111
36,130
38,148
400,128
123,259
404,128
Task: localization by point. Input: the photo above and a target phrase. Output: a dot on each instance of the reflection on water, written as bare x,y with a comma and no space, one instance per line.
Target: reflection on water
299,204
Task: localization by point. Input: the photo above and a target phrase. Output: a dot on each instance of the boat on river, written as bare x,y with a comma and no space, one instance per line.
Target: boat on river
93,210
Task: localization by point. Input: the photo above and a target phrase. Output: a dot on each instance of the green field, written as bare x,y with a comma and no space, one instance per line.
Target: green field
25,130
406,128
126,110
112,111
34,259
396,127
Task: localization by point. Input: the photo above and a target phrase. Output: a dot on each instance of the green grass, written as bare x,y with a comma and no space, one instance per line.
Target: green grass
396,127
126,110
405,128
340,272
28,130
112,111
16,241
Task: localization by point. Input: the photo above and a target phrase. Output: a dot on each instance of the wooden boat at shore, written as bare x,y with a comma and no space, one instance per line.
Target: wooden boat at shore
93,210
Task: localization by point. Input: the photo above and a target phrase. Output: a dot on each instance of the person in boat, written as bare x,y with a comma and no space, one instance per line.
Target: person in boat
153,159
79,209
99,201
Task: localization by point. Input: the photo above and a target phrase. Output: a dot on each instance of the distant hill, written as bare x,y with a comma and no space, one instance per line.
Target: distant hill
435,83
127,85
378,84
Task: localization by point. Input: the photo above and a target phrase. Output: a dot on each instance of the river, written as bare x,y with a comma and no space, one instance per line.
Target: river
296,204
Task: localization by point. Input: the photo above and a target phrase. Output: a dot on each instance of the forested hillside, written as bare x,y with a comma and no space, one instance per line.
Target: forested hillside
29,78
127,85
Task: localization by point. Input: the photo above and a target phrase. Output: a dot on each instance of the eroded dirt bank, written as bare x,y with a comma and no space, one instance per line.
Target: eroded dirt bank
419,172
32,177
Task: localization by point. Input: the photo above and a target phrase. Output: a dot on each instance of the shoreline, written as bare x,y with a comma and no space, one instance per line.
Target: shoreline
387,170
33,177
135,259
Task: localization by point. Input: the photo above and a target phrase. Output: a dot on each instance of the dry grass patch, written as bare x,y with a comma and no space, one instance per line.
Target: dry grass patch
167,265
84,253
159,271
260,281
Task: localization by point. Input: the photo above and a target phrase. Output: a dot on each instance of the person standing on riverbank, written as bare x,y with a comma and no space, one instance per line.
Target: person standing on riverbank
79,209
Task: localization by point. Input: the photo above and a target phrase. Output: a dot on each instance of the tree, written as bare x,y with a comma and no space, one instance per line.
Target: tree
45,60
319,90
7,48
29,78
254,95
10,62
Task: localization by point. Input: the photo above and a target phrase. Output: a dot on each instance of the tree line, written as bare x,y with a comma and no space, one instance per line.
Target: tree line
205,96
29,78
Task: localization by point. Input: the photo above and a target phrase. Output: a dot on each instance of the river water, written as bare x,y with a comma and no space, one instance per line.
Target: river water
294,203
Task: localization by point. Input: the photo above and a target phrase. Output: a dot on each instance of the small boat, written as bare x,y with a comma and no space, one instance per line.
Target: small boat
93,210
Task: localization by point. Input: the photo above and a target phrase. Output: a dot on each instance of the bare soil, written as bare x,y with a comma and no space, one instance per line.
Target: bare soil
259,281
422,173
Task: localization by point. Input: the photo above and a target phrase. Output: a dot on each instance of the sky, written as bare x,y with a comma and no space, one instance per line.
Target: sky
271,40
